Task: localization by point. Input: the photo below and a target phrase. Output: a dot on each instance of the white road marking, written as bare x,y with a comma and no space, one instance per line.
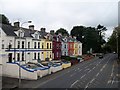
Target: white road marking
94,68
89,71
101,69
97,74
83,76
72,74
89,83
112,71
80,70
74,83
92,80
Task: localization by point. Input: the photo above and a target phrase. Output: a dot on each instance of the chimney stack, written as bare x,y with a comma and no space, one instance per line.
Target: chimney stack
17,24
42,30
74,37
31,27
52,32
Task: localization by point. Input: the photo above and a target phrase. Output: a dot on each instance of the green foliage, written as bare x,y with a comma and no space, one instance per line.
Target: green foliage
4,19
89,36
114,38
62,31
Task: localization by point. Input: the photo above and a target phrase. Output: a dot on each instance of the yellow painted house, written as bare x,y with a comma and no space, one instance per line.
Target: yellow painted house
46,49
76,48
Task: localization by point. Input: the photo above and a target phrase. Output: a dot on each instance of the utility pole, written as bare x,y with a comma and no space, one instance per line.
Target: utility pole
19,52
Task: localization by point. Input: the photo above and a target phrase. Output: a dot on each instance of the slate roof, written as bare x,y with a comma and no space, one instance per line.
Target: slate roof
29,32
8,29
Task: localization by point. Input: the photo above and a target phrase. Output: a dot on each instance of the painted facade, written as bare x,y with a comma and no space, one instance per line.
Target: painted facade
64,48
56,47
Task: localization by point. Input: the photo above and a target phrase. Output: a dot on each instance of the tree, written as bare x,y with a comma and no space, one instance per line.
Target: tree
4,19
101,30
89,36
63,31
114,40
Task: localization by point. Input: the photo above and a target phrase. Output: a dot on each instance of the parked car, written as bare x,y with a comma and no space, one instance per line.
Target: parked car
114,52
101,55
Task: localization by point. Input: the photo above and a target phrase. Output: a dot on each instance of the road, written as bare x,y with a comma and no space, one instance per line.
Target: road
95,73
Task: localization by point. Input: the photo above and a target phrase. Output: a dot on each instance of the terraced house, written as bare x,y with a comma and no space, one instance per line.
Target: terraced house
71,46
64,48
57,47
23,45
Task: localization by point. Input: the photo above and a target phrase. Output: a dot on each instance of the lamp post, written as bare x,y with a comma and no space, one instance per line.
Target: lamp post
19,52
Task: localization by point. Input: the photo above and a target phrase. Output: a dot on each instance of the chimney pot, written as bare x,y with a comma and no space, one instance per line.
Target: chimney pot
17,24
42,29
31,27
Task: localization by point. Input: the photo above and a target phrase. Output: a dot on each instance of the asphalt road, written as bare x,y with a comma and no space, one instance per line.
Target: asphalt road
95,73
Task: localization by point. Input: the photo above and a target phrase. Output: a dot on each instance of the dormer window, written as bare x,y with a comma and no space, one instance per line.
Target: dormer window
57,39
21,34
36,36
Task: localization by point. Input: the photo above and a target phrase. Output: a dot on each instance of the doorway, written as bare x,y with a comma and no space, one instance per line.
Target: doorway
10,57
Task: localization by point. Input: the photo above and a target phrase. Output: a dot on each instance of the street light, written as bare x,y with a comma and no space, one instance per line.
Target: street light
19,51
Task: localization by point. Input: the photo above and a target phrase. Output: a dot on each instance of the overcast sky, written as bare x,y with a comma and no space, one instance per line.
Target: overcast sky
54,14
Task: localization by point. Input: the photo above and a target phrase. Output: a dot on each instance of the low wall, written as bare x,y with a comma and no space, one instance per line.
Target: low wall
12,70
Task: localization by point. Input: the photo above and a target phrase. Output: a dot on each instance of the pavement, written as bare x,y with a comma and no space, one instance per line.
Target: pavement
94,73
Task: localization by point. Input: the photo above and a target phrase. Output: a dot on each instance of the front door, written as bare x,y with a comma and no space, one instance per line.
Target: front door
10,57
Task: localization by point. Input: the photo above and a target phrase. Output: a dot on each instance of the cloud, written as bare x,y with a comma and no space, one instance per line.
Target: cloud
54,14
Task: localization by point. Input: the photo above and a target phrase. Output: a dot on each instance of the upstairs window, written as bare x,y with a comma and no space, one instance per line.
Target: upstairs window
10,45
38,44
23,44
65,45
34,44
3,44
50,45
18,46
28,44
47,45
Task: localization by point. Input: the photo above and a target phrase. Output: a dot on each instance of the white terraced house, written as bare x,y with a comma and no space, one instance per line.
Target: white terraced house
19,45
64,48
